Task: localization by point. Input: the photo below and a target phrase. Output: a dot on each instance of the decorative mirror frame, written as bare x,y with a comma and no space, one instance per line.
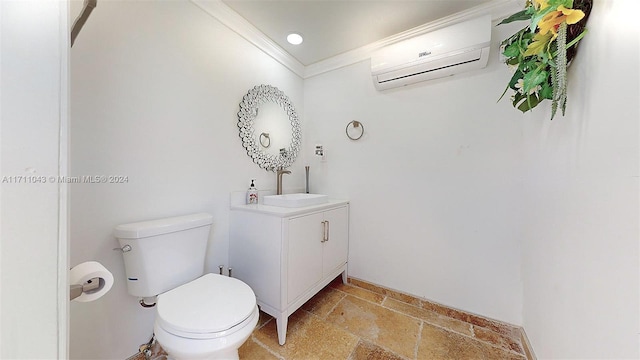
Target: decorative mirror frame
248,113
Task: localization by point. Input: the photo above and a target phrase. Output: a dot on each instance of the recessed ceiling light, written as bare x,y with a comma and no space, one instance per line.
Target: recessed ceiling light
294,39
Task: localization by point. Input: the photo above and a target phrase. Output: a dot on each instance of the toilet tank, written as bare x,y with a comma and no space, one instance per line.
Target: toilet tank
162,254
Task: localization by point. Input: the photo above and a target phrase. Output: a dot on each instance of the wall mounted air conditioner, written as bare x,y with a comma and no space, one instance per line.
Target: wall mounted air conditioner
443,52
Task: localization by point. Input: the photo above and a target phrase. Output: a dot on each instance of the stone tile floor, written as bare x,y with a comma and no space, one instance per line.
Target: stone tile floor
363,321
351,322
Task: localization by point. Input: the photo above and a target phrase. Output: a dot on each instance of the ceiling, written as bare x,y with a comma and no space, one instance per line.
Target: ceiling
332,27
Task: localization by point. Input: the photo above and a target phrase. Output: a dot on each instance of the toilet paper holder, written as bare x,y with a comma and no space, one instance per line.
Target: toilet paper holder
88,287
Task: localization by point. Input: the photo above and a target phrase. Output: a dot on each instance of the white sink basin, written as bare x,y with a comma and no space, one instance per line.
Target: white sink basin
295,200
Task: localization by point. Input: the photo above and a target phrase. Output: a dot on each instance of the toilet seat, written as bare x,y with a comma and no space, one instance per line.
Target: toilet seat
206,308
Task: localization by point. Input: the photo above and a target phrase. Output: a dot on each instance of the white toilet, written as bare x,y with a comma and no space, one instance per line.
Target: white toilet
197,316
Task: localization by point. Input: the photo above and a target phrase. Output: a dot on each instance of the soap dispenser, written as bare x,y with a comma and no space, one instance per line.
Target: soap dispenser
252,194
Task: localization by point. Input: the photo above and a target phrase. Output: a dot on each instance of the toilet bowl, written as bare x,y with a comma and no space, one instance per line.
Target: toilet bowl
207,318
197,316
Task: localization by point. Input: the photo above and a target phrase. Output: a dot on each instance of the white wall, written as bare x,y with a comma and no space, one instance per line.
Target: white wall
32,214
469,203
155,92
580,253
434,183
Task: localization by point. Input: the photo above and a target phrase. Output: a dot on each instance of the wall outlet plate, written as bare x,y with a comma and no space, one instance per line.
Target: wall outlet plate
320,152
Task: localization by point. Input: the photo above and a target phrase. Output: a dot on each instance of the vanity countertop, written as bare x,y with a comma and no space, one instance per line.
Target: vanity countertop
286,212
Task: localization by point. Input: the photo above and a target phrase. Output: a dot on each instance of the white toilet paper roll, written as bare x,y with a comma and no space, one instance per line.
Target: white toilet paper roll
82,273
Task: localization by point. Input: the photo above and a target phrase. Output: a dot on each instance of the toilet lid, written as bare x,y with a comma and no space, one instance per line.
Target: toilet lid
209,304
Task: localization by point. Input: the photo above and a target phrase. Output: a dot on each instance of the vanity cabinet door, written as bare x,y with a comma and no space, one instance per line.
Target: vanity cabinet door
336,247
305,254
287,258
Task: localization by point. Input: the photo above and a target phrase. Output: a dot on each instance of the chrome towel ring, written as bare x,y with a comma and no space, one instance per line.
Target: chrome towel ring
265,140
357,130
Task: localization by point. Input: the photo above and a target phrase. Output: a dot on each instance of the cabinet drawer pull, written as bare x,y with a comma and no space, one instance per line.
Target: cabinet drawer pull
325,225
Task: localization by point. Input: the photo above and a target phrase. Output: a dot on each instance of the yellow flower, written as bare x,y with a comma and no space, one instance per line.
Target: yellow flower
539,44
541,4
550,23
572,16
552,20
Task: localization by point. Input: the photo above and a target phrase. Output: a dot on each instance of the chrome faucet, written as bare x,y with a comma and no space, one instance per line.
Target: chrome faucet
281,172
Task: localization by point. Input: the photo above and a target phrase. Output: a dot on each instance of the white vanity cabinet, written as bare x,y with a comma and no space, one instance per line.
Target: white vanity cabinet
287,255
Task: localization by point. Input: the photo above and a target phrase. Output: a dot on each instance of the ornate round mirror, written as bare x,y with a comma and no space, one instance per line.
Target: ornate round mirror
269,127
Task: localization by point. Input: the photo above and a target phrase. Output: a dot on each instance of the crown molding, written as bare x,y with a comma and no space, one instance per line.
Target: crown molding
228,17
498,9
239,25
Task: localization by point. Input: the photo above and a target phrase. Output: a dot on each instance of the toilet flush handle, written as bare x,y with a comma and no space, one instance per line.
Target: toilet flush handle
124,249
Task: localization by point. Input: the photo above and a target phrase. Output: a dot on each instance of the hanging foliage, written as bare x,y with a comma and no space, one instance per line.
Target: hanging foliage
540,53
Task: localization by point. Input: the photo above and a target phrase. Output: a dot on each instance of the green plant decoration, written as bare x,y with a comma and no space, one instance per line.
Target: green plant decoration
541,52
